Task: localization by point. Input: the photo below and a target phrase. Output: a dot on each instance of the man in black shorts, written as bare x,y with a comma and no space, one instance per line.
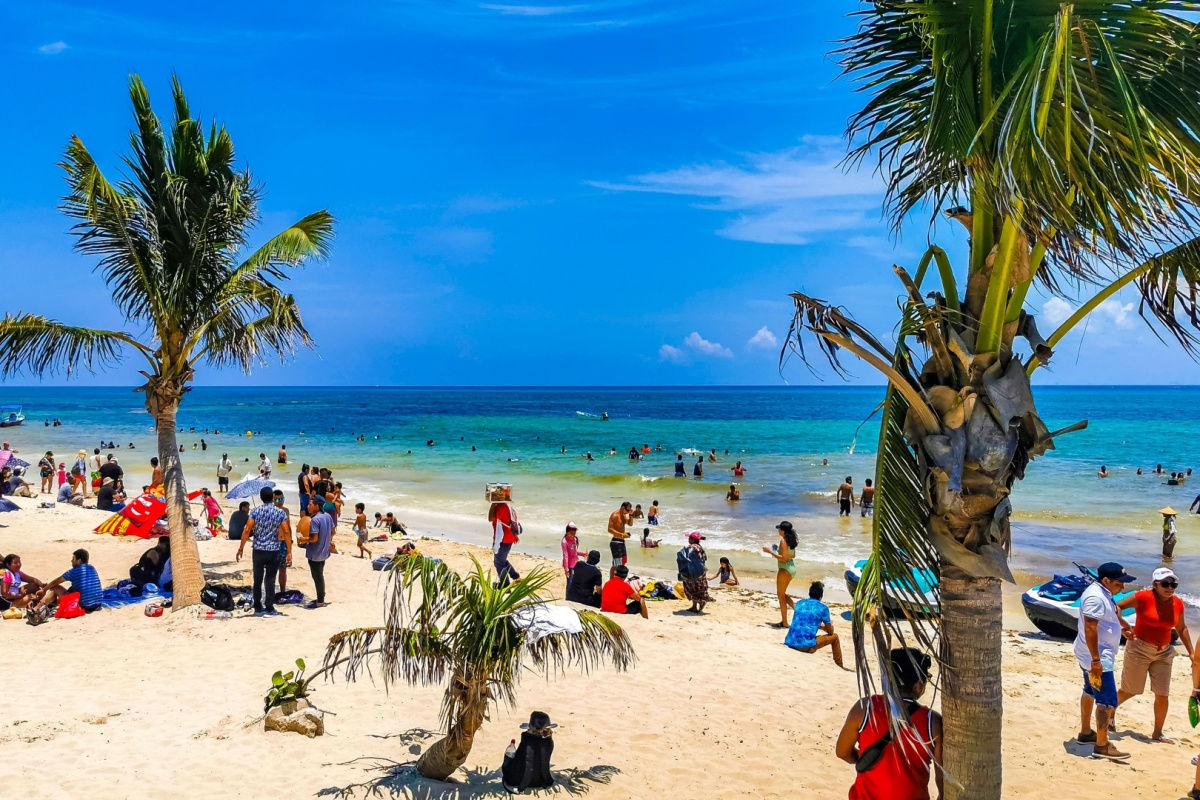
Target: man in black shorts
845,496
617,522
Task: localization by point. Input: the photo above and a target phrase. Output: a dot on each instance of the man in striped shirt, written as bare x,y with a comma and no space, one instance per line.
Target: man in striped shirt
83,579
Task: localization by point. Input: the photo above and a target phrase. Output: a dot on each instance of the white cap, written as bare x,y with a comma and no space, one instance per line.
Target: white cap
1162,573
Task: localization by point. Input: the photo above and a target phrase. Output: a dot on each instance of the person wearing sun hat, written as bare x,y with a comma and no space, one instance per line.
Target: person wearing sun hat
1150,652
1096,645
1169,536
527,766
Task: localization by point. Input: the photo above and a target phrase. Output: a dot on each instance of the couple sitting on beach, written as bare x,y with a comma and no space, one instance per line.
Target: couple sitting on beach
21,590
617,595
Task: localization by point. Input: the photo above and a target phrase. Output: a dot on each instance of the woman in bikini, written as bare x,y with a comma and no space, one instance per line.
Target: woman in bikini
785,554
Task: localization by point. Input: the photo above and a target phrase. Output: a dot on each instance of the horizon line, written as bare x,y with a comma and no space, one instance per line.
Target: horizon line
582,386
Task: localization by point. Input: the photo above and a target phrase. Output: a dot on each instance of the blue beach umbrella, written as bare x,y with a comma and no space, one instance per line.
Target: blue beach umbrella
249,488
15,462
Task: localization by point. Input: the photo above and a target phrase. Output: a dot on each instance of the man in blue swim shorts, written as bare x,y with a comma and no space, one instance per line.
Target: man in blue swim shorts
1096,644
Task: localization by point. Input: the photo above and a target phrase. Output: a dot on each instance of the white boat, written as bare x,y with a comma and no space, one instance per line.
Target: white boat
11,416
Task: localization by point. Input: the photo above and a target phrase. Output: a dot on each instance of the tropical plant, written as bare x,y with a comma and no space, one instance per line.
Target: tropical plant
439,625
171,240
287,687
1072,132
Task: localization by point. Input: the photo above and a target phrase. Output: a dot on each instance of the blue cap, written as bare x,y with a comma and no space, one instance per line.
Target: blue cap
1114,572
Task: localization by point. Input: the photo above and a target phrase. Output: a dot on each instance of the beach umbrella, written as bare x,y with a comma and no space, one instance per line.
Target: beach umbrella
249,488
137,518
8,505
5,457
15,462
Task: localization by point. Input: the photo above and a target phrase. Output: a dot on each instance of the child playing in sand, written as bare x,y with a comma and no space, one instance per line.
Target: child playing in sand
360,529
378,520
725,575
647,541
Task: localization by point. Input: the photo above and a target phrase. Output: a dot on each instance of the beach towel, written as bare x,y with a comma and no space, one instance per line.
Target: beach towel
541,620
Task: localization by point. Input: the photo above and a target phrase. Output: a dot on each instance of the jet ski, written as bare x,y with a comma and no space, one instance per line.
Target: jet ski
898,602
1053,606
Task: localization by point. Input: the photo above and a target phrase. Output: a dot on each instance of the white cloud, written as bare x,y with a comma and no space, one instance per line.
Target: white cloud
53,48
531,11
669,353
703,346
763,338
1111,312
787,197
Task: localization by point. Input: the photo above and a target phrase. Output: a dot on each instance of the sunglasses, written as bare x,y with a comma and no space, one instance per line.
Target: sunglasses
1168,584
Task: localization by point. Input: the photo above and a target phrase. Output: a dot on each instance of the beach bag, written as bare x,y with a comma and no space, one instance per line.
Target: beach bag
217,596
381,563
289,597
689,563
68,607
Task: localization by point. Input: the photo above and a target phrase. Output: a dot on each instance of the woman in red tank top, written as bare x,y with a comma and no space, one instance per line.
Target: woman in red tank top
894,766
1150,652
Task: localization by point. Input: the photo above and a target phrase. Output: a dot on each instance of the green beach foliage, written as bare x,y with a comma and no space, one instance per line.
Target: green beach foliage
170,243
287,686
440,626
1066,139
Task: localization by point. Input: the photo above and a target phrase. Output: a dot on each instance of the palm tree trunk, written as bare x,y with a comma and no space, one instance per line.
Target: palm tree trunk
188,577
972,696
450,752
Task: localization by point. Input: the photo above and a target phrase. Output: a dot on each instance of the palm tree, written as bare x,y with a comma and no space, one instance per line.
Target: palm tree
1072,134
438,624
170,240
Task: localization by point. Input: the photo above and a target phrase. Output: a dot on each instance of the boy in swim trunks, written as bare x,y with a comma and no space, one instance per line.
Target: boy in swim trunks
867,501
652,514
360,530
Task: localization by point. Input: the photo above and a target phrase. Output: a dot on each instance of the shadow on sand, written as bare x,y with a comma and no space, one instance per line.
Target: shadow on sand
387,778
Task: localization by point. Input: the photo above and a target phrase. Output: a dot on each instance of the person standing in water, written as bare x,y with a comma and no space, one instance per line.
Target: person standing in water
1169,536
845,496
866,502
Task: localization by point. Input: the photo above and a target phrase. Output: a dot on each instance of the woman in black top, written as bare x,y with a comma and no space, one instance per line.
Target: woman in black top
529,766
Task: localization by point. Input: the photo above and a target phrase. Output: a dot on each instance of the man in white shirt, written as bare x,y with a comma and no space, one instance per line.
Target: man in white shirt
1096,645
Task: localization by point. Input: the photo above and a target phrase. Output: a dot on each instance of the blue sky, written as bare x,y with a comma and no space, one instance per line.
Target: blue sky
609,192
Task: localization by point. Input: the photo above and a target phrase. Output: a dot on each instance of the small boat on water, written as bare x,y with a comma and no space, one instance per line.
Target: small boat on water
11,416
923,603
1053,606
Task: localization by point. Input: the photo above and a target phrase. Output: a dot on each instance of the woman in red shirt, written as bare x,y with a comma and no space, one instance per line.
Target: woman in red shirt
1149,651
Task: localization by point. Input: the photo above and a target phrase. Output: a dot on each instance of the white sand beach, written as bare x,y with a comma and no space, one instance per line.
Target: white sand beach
120,705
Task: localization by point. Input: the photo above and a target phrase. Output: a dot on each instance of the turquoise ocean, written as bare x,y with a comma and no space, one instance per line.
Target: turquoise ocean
1063,512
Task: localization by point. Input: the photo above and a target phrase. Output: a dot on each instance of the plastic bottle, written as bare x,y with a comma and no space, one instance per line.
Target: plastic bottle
211,614
511,750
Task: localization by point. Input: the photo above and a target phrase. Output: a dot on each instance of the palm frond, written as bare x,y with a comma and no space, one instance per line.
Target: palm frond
1168,289
39,345
310,237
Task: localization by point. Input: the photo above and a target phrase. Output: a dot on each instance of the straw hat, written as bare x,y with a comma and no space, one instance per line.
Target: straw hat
1168,511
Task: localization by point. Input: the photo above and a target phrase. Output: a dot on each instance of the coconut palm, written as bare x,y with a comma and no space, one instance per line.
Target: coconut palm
441,625
1066,139
170,240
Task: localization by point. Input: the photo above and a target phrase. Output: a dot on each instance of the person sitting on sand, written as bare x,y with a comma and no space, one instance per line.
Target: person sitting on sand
647,541
1103,473
894,768
528,765
584,585
19,589
83,579
237,520
17,486
618,597
725,575
70,494
812,627
733,495
106,495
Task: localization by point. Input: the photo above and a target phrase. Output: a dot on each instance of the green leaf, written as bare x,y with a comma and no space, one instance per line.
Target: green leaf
300,663
277,678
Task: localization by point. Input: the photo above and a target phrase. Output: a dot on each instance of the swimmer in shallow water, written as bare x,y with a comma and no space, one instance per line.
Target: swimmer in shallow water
647,541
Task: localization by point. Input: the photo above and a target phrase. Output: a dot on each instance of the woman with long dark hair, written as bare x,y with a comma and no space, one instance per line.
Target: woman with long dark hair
785,554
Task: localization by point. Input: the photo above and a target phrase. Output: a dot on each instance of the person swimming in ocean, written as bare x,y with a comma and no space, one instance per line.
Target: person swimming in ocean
1103,473
733,495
